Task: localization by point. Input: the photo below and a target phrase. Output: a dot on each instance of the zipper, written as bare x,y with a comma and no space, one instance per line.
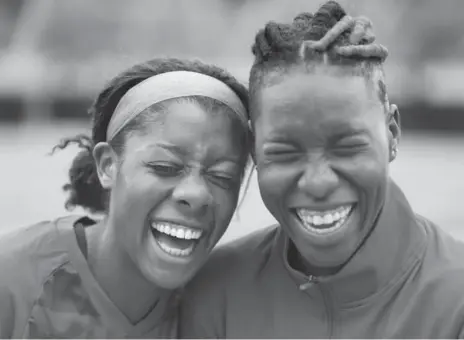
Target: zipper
313,280
329,311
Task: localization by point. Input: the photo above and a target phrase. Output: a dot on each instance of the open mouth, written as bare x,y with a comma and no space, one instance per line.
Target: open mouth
325,222
174,239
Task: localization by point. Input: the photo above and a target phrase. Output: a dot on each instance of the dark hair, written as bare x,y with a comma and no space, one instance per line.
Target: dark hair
84,187
329,36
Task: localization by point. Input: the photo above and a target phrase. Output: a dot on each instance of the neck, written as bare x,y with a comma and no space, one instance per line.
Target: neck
297,262
118,275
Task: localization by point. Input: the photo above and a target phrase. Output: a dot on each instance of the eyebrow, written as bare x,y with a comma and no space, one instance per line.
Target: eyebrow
184,153
339,131
278,137
172,148
350,132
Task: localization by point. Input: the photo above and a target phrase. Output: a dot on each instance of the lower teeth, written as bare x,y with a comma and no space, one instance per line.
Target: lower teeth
175,251
317,230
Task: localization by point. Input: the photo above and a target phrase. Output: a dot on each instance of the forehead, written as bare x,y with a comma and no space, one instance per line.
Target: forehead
317,89
191,129
323,100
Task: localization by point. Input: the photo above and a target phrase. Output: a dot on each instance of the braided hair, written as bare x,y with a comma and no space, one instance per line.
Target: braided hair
329,37
84,187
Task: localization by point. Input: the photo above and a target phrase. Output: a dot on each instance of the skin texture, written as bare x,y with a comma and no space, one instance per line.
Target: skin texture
323,141
186,169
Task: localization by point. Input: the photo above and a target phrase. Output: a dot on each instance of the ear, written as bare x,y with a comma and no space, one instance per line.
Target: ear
394,128
106,163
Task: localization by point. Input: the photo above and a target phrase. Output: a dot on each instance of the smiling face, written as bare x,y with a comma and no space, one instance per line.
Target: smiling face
322,154
175,191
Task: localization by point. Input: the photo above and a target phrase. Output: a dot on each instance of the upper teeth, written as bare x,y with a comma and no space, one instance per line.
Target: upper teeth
176,230
319,218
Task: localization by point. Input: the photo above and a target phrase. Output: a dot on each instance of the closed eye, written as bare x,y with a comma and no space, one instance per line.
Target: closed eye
223,180
280,153
349,149
165,169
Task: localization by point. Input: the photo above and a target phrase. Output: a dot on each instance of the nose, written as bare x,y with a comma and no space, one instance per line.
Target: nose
192,194
318,180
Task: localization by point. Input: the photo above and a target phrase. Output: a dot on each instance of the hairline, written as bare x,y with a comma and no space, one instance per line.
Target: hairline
260,79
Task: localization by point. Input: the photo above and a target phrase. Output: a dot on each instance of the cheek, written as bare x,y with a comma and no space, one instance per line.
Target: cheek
138,191
275,181
367,170
225,203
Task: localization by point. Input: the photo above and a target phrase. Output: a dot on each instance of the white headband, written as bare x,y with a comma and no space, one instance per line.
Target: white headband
171,85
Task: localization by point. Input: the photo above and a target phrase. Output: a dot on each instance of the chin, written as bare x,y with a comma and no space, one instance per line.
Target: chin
168,279
171,283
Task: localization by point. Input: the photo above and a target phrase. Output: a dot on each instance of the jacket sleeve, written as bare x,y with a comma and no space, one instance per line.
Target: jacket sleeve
203,308
202,314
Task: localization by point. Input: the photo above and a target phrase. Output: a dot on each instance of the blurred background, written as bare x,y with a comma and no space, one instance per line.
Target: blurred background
55,55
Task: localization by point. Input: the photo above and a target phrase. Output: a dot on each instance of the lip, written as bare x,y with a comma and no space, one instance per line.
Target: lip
196,226
323,208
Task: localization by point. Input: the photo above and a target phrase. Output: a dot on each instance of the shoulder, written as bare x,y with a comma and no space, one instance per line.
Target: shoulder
29,254
21,247
441,275
442,247
245,255
33,243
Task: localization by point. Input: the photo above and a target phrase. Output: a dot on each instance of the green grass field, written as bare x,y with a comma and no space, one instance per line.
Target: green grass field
429,168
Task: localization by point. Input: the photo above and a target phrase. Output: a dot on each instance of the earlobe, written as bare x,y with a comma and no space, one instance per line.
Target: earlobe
395,115
393,151
105,161
394,127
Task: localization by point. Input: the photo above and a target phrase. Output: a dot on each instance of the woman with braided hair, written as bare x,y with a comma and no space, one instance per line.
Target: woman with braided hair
348,258
170,142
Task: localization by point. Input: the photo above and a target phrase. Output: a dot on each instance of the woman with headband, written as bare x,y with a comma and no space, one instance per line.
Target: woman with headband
349,259
164,165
